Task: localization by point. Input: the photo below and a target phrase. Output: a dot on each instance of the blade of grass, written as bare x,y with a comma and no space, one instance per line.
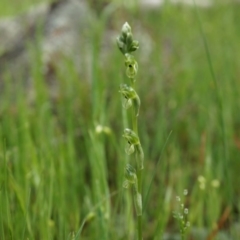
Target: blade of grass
90,215
219,104
155,172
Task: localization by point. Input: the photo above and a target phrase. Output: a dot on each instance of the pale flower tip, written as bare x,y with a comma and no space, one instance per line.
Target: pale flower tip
126,25
126,28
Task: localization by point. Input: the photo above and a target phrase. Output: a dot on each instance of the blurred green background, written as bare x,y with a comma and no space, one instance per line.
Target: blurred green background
62,158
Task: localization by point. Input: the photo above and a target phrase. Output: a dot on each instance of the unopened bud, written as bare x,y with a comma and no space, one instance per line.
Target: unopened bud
126,29
129,149
129,39
134,46
130,98
130,136
120,44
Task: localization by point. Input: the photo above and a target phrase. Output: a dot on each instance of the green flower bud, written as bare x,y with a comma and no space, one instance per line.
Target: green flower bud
126,184
134,46
126,29
130,174
132,140
125,41
129,39
126,103
131,137
120,44
127,91
131,178
130,98
129,149
134,146
132,66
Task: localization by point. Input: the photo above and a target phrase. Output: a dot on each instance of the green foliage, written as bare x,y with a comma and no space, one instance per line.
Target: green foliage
62,169
16,7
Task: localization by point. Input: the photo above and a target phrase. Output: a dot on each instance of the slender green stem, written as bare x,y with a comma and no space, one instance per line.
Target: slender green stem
140,227
135,123
134,117
139,171
182,236
139,176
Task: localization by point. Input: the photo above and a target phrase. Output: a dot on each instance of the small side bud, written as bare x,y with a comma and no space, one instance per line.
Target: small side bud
130,98
134,46
131,178
120,44
126,103
129,39
131,136
126,184
134,145
129,149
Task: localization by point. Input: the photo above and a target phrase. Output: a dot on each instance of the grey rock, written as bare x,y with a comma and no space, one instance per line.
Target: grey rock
55,31
67,33
15,33
157,3
13,30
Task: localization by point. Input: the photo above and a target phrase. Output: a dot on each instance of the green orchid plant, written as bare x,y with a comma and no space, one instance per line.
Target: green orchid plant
131,100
